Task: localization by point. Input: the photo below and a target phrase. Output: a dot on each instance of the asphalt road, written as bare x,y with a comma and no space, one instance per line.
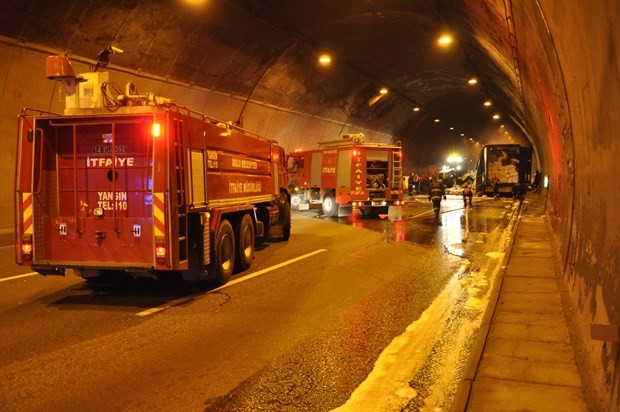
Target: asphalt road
352,312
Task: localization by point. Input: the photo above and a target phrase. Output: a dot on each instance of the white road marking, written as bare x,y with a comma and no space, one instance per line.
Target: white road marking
25,275
234,282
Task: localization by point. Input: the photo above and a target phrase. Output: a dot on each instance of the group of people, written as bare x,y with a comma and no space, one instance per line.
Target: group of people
437,190
411,183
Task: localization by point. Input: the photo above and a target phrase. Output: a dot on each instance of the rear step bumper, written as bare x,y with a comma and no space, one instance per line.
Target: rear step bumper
47,270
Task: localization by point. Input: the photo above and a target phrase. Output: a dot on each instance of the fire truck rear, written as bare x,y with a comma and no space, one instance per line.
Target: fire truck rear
149,188
348,172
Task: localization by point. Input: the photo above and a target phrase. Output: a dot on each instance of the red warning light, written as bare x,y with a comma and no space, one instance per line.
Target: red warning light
156,130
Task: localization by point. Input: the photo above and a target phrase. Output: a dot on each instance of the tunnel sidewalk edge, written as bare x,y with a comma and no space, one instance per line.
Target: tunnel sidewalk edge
464,391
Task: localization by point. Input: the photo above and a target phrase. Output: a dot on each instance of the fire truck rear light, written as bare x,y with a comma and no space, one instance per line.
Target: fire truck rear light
160,249
26,247
156,130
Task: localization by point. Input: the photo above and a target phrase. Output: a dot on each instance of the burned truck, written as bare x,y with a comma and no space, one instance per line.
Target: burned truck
511,164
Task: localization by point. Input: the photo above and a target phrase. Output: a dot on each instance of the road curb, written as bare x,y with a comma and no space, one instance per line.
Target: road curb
463,392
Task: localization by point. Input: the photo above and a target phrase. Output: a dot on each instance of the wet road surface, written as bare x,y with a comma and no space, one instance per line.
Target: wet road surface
304,336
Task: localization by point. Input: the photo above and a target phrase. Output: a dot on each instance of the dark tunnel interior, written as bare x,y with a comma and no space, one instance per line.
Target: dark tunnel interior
550,70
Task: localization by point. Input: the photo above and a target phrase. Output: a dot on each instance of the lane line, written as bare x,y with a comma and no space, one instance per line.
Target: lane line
231,283
25,275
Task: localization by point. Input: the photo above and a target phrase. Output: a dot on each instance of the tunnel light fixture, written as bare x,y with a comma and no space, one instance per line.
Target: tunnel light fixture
501,125
454,158
195,3
436,120
325,60
452,128
383,90
416,109
463,134
496,116
488,103
445,40
472,81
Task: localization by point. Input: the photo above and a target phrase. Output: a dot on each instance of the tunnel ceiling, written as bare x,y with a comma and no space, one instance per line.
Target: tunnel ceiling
267,50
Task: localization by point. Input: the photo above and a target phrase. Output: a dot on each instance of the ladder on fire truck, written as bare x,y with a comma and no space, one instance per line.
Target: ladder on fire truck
179,163
397,167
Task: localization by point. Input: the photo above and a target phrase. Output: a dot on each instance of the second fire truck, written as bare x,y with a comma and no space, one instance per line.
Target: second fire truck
347,172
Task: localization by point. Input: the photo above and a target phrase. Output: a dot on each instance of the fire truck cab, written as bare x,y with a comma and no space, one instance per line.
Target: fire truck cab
348,172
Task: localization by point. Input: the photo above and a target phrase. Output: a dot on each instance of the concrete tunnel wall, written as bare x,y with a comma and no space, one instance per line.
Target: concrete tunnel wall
569,64
570,68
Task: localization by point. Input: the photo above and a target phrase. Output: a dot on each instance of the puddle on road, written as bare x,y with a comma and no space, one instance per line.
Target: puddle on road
424,231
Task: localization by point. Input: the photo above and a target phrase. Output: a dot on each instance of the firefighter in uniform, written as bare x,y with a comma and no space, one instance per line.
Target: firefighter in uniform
468,194
436,191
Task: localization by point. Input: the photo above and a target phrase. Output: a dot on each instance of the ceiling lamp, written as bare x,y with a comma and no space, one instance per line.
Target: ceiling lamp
325,59
488,103
416,109
383,90
472,81
496,116
436,120
445,40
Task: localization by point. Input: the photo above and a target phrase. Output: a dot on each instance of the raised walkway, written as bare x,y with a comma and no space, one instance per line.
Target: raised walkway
523,359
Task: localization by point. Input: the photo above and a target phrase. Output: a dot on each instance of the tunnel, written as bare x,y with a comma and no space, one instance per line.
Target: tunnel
548,71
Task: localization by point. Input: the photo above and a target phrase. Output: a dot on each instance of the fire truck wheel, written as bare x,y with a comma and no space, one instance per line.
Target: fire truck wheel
329,205
286,221
224,252
245,242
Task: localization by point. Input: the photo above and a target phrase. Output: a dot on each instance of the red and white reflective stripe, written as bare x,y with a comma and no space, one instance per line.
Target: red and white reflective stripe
159,217
27,226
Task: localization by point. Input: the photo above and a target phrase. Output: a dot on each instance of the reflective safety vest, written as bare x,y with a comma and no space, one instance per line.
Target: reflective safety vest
436,191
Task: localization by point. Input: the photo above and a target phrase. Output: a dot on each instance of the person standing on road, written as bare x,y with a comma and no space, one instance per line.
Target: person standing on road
536,184
416,184
495,183
468,194
437,190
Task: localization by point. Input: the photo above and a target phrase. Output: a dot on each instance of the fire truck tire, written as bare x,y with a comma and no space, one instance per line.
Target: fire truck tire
245,242
286,221
224,253
329,205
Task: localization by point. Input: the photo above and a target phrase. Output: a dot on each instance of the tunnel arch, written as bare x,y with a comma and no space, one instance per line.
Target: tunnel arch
256,60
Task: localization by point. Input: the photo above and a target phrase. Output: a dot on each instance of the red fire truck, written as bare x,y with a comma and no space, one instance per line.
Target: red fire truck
147,189
347,172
